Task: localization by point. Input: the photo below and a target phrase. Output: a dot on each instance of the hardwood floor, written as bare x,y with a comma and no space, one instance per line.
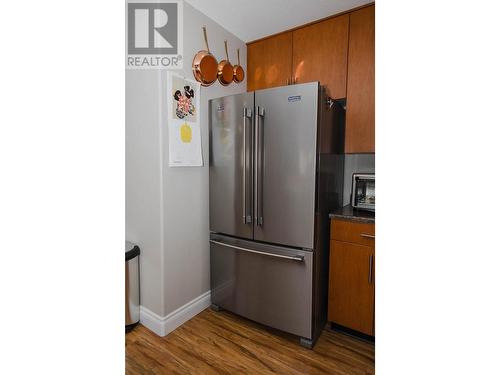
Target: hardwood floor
223,343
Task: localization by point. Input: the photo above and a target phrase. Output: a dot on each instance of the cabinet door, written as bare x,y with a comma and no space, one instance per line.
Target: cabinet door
269,62
351,295
320,54
360,116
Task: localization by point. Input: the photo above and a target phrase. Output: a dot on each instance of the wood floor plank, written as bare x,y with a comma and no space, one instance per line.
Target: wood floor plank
222,343
287,355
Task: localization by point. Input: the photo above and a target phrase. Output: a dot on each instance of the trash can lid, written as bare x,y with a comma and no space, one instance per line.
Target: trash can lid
131,250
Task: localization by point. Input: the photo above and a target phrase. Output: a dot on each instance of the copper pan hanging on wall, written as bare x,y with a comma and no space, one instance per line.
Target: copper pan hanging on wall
238,72
225,70
205,65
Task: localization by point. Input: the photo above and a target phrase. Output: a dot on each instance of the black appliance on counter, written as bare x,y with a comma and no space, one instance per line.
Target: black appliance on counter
363,191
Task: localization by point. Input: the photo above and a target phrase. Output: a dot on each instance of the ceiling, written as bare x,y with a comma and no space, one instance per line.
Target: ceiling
253,19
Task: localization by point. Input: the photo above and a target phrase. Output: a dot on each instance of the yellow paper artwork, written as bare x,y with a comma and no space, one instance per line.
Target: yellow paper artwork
186,134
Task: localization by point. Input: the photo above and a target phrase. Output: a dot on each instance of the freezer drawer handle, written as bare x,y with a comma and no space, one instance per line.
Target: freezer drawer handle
297,258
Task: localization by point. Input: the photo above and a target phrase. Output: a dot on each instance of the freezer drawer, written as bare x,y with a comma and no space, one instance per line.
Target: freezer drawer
271,285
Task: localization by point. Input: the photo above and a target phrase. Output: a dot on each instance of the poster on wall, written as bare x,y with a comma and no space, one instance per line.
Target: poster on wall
184,134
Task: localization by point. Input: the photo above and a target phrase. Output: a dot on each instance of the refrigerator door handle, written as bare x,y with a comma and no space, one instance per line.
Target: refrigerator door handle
258,166
297,258
246,113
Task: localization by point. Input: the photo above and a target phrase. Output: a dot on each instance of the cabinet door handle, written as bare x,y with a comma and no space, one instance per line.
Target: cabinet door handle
364,235
370,272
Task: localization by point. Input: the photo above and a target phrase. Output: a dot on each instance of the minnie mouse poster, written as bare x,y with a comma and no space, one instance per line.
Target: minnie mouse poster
184,103
183,122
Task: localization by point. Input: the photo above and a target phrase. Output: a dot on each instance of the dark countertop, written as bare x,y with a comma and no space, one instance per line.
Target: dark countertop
349,213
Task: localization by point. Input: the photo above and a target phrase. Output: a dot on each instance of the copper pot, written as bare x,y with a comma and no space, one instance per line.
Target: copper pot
205,65
225,70
238,72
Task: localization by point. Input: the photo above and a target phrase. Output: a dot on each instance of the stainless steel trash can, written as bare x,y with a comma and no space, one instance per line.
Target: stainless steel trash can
132,293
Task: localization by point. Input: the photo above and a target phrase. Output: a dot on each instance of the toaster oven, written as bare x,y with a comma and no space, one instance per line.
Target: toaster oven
363,191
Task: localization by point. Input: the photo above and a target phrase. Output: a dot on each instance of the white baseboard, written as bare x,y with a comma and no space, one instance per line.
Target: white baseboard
162,326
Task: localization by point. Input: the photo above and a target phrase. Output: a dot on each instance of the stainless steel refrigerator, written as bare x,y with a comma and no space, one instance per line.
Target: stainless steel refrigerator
276,171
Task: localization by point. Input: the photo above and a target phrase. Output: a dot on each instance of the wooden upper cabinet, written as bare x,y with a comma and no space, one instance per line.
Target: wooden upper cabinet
320,54
339,52
360,115
269,62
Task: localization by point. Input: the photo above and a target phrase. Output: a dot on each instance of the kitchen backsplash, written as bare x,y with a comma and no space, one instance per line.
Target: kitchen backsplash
356,163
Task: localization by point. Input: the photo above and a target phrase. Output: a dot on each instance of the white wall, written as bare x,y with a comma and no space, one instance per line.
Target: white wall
143,213
167,208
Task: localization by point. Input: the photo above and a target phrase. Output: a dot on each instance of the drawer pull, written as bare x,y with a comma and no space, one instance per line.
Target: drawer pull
364,235
370,270
297,258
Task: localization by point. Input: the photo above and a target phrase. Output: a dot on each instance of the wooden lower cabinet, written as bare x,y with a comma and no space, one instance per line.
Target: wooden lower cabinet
351,294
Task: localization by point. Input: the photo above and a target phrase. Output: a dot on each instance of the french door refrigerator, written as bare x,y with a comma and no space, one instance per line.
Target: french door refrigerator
276,171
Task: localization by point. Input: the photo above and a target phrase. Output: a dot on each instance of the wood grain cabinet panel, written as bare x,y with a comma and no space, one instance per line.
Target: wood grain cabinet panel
360,115
340,53
349,231
320,54
269,62
351,294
